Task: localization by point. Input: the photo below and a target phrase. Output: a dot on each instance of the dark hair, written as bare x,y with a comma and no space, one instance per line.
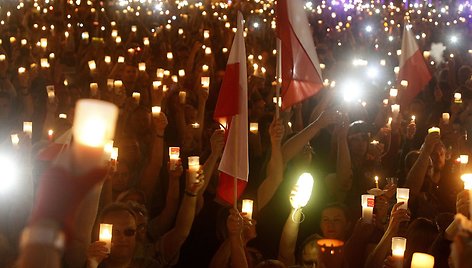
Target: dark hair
115,207
420,236
340,206
309,240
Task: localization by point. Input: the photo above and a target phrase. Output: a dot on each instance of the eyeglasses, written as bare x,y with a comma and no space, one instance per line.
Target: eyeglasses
127,232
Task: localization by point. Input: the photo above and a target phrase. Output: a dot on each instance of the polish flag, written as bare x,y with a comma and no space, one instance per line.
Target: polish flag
301,73
412,68
232,107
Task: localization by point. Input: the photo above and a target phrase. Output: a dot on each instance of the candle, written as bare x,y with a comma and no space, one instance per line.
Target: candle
395,110
393,92
174,156
404,83
92,65
445,118
105,235
156,84
15,140
94,126
426,54
464,159
403,194
51,93
413,119
118,40
206,34
398,246
50,134
193,167
367,202
457,98
207,50
117,84
28,128
142,66
44,63
160,73
182,97
422,260
2,57
253,127
156,110
181,72
467,179
114,33
85,36
247,206
93,89
107,59
205,81
21,70
43,42
376,178
385,102
331,252
114,159
63,116
398,250
195,125
170,56
146,41
121,59
136,97
108,149
434,129
205,68
134,28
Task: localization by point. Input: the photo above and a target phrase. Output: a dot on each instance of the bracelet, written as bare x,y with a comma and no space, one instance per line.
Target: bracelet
190,193
160,136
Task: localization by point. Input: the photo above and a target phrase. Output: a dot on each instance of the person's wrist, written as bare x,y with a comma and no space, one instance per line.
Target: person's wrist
190,193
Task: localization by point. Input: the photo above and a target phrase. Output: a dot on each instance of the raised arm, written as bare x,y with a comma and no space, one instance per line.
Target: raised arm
173,240
377,257
288,240
235,225
150,173
415,177
296,143
163,222
275,167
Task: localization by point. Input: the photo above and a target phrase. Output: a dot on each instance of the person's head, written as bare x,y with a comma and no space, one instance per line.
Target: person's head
141,219
420,236
358,138
335,222
439,156
130,73
271,264
123,219
308,256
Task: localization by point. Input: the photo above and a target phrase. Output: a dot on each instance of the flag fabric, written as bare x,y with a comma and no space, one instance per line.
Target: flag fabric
232,106
412,68
301,73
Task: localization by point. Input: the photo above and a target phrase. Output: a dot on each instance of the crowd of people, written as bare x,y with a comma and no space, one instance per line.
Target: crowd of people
172,55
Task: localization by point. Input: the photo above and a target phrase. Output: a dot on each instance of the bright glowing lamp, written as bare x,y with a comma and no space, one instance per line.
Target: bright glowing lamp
422,260
301,193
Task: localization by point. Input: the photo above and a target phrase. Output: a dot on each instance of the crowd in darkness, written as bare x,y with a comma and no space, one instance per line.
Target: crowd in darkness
138,55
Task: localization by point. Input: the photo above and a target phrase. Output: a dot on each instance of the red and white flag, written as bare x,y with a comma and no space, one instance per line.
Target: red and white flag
232,106
301,73
412,68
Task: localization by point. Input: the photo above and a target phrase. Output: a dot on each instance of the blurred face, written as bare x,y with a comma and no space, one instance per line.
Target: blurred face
141,226
121,177
130,74
358,144
334,224
439,157
310,255
124,234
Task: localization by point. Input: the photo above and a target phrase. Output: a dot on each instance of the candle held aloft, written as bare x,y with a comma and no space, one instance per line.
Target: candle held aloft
434,130
193,167
182,97
136,97
247,207
422,260
205,81
105,235
403,194
156,110
28,128
254,128
174,155
457,98
367,202
301,193
398,251
445,118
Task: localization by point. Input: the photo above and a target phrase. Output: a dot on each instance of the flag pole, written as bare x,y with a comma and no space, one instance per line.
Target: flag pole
235,192
278,77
